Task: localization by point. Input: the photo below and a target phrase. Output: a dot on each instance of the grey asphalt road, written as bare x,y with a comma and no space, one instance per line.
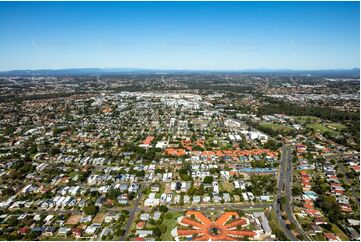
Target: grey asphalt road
281,184
232,206
132,213
284,185
288,193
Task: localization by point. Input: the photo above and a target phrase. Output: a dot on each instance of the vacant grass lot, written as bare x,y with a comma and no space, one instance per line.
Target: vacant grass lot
316,124
306,119
276,127
322,129
228,186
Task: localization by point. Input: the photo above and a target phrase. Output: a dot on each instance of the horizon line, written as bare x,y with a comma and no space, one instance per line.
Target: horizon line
182,69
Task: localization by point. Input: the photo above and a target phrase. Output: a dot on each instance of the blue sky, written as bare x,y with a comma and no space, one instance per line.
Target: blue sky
180,35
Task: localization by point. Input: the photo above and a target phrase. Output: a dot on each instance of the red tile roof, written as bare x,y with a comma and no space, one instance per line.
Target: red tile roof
148,140
24,230
202,227
175,152
356,168
330,236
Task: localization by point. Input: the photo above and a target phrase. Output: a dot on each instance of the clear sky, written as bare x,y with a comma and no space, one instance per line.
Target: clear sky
180,35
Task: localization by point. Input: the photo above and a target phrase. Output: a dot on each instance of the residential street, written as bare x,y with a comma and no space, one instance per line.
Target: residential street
284,184
132,213
212,207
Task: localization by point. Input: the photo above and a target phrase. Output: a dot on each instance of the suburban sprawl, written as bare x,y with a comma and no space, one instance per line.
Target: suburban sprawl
179,156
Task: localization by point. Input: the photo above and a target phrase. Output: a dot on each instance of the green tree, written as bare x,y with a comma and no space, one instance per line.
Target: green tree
163,208
208,179
330,207
157,232
90,210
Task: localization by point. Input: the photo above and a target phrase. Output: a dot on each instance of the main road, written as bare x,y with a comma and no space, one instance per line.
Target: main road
285,187
280,188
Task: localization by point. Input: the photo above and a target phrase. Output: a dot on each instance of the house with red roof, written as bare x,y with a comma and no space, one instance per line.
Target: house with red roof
200,143
76,232
140,225
308,206
23,230
301,148
356,168
313,212
331,237
175,152
319,220
138,239
146,143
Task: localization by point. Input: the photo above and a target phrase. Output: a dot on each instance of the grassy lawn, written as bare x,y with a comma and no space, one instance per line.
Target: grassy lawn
73,174
262,202
322,129
304,220
228,186
276,127
319,237
336,126
209,141
57,238
273,222
298,172
170,223
306,119
253,209
339,233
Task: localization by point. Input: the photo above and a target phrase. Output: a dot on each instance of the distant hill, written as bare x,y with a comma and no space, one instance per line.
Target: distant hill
332,73
335,73
69,72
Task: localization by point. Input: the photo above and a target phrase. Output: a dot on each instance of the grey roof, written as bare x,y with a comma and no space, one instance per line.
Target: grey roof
264,221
